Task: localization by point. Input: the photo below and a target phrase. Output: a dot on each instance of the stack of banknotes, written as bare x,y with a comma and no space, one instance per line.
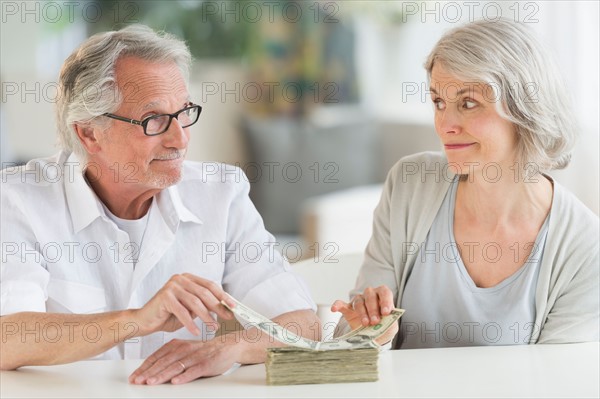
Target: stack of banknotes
349,358
291,366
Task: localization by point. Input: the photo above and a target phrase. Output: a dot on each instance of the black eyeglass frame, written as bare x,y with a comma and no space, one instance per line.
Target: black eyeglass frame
145,122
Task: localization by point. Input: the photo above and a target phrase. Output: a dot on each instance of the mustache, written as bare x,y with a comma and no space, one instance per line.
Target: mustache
171,155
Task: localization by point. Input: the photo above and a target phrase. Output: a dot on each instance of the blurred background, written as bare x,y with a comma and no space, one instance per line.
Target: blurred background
314,100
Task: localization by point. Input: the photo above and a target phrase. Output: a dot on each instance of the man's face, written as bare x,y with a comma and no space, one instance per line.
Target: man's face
134,159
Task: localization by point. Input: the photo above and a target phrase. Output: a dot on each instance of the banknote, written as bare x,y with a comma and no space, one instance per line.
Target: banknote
362,337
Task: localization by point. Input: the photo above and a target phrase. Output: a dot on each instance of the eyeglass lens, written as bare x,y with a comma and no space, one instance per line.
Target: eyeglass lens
160,123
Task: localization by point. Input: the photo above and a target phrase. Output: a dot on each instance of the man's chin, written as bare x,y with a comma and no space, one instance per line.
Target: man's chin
164,180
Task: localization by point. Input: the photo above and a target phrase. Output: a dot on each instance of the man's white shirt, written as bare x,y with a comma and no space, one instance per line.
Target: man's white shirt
62,253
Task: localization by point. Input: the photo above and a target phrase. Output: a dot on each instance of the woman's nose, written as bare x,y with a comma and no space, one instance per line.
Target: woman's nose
449,121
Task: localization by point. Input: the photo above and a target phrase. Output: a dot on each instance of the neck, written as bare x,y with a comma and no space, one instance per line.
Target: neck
499,201
124,200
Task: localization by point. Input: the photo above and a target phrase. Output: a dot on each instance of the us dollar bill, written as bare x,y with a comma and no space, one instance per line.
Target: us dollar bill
362,337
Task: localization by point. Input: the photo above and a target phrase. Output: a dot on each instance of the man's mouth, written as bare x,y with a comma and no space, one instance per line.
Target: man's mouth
170,156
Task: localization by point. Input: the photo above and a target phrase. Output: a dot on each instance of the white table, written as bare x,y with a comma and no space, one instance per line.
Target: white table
509,371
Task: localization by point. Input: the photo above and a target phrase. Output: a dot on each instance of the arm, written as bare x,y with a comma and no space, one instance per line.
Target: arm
574,316
369,303
33,338
30,338
214,357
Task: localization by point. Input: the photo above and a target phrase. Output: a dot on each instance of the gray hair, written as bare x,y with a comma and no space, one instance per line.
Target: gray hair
505,55
87,80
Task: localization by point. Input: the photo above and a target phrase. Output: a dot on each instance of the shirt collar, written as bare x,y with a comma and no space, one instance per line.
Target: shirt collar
183,213
83,203
85,206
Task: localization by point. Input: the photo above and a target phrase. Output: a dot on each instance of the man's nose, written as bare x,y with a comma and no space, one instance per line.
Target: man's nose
176,136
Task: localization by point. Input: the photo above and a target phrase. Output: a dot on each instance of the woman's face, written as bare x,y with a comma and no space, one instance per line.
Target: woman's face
474,136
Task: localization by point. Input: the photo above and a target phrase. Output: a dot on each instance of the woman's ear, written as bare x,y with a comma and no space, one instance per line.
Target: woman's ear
88,136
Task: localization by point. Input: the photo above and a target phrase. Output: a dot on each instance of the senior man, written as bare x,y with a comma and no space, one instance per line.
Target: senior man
116,246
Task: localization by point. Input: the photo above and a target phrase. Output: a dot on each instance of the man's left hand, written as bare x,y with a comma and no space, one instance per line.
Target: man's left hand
181,361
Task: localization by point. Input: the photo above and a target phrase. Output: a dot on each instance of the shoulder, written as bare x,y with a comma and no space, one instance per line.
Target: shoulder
414,168
420,174
213,172
38,178
213,178
577,226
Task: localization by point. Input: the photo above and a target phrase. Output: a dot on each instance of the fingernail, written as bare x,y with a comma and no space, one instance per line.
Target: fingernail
139,380
385,310
374,319
365,320
151,380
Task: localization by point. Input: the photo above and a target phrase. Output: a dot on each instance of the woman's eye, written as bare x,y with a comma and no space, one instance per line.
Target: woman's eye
438,104
468,104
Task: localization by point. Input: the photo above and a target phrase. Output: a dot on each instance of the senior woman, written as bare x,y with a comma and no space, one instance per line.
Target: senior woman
479,244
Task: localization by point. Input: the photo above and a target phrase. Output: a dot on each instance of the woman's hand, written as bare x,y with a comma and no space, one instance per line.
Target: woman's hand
367,309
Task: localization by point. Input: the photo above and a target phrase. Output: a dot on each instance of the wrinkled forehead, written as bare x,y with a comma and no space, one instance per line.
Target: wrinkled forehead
139,80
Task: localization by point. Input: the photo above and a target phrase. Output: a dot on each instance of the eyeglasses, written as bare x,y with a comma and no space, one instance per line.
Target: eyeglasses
158,124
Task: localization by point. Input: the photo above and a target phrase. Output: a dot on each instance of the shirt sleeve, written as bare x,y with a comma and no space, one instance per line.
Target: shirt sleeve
255,272
23,277
574,317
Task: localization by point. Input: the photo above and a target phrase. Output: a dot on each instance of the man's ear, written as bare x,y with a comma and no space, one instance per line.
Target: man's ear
88,136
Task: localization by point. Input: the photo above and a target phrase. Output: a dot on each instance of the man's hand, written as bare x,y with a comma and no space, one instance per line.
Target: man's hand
183,298
367,309
183,361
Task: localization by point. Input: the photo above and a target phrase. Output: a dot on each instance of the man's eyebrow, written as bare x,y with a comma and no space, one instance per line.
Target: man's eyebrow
150,105
155,103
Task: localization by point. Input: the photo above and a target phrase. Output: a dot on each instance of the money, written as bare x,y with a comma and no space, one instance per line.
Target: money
291,366
349,358
362,337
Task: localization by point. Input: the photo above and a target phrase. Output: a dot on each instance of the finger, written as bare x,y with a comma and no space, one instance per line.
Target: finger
195,306
358,304
190,374
180,308
386,300
346,310
210,293
150,361
341,306
372,305
174,369
166,367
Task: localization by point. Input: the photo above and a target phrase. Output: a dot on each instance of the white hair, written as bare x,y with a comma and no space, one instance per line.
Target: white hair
505,55
87,80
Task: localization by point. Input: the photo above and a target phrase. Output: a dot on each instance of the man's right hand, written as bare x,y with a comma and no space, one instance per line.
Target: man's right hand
183,298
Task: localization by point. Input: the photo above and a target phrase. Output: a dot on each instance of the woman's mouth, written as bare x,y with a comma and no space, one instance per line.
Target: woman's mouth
457,146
